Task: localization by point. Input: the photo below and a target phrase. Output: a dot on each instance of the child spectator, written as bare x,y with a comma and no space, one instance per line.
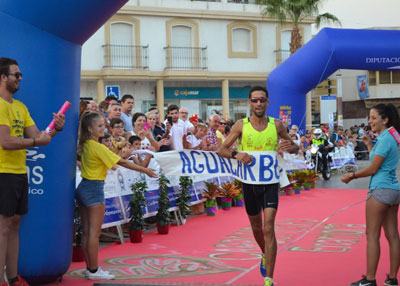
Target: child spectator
136,142
118,141
196,141
96,159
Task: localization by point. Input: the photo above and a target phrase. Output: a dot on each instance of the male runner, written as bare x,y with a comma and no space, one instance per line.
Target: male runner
260,133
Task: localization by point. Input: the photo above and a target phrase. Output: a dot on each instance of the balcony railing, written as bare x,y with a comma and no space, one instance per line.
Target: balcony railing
281,55
232,1
126,56
186,58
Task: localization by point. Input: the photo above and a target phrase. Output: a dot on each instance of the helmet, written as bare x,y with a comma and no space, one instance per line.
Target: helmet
317,133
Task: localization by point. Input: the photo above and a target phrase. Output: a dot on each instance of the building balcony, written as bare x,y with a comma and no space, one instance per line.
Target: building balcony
186,58
281,56
126,57
231,1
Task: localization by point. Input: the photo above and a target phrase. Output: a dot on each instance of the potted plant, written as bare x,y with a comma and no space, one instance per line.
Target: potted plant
311,179
239,201
163,219
77,252
229,191
210,193
138,200
184,196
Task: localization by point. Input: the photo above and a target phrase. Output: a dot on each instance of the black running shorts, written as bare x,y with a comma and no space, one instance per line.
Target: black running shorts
13,194
259,197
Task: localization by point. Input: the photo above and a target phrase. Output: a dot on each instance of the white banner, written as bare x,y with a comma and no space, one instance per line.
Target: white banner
264,169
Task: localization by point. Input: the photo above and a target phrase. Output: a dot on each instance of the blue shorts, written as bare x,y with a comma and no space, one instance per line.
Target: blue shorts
385,196
90,193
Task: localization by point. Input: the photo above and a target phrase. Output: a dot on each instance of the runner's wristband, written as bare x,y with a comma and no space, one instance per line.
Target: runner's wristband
34,142
354,175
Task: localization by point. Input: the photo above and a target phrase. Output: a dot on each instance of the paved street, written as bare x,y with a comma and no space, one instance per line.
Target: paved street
335,183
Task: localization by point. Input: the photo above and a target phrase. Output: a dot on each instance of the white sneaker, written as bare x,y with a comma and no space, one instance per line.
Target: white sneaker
99,275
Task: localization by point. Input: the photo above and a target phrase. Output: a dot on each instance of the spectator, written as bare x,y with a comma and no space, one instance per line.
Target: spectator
114,111
304,145
136,142
93,106
183,115
103,107
119,145
151,119
295,130
106,140
160,131
83,106
212,140
111,99
138,120
126,108
221,132
198,140
178,127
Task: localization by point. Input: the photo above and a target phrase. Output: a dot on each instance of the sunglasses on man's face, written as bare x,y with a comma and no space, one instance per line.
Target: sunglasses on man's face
17,74
261,99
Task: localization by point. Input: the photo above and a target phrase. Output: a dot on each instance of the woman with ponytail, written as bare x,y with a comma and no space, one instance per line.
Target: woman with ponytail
384,192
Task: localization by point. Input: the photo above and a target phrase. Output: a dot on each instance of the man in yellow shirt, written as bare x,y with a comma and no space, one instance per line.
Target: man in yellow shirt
17,133
260,133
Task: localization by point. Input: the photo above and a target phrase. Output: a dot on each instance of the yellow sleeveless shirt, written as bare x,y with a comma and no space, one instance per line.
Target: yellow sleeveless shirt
253,140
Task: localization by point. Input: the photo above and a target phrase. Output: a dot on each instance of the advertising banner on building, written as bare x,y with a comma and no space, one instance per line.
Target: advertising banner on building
362,86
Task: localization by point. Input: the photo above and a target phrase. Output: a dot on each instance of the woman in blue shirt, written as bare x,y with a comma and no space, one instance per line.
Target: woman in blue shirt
384,192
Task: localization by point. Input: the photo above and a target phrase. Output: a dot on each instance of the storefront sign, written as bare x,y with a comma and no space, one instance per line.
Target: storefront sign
204,92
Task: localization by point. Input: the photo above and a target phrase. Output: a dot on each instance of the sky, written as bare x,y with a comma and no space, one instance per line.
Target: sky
361,14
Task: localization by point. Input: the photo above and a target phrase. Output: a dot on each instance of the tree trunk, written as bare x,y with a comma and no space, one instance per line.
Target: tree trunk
295,40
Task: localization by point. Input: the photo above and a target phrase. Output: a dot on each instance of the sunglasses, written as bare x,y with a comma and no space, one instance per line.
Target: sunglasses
222,123
17,74
261,99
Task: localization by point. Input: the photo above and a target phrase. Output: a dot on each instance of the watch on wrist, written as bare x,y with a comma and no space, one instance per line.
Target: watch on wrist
233,154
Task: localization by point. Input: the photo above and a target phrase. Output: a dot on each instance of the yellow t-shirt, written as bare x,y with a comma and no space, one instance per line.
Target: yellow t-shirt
16,116
96,159
253,140
220,136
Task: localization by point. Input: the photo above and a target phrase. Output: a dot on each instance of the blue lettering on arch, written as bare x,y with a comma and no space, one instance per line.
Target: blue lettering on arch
223,163
266,168
211,171
247,168
201,166
185,162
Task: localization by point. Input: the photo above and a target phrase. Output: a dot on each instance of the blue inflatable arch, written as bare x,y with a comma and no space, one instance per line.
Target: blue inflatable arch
45,37
328,51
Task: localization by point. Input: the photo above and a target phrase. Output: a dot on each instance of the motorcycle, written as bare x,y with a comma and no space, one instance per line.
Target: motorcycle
319,162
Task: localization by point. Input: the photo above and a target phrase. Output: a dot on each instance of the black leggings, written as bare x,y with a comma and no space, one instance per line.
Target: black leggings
259,197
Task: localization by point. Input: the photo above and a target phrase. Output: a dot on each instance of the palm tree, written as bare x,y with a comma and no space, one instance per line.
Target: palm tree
296,11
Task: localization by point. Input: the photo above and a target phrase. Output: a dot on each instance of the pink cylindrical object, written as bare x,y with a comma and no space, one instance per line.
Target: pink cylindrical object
62,110
395,134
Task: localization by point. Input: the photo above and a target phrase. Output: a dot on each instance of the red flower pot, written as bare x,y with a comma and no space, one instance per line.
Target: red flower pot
77,254
162,229
136,236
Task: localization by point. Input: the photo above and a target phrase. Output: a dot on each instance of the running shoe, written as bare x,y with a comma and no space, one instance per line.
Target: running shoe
99,275
391,281
263,263
364,282
268,282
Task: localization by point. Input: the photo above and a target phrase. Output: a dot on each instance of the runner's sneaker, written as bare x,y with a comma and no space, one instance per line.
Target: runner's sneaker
364,282
391,281
268,282
263,263
100,275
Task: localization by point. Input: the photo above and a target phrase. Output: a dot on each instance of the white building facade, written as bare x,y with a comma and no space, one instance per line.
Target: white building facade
202,55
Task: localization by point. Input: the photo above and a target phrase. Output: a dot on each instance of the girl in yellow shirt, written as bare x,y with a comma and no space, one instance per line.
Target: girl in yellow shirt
96,159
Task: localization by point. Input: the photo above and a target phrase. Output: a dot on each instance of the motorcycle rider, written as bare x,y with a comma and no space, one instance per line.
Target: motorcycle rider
318,140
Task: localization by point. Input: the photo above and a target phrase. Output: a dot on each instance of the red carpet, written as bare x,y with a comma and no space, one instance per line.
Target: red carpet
321,241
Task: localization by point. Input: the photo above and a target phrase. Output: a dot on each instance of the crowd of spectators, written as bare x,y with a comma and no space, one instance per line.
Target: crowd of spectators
181,130
337,136
126,132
